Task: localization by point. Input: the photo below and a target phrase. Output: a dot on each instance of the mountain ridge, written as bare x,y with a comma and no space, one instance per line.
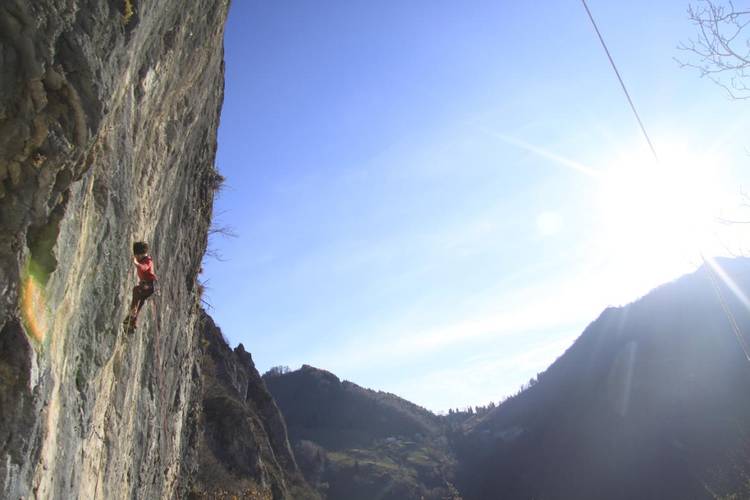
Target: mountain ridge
650,401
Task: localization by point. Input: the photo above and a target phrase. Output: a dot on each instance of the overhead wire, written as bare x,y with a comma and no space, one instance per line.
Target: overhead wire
619,78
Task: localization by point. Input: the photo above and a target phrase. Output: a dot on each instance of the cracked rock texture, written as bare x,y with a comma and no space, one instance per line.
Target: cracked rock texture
108,117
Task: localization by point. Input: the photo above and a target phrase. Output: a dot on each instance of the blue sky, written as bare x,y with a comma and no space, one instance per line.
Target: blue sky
434,198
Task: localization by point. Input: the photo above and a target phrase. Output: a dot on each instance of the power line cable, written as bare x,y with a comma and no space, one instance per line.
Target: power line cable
622,83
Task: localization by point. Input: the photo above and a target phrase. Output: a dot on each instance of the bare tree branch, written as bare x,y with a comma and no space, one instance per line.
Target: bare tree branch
224,231
721,51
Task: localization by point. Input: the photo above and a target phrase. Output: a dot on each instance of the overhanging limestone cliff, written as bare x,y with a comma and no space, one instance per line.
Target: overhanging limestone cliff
108,117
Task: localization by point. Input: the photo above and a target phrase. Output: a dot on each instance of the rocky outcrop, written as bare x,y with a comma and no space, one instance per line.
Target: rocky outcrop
108,117
243,447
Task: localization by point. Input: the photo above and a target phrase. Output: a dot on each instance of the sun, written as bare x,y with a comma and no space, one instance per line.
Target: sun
656,218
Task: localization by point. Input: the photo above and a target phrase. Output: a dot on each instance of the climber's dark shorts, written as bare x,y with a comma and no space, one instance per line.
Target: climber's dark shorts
141,292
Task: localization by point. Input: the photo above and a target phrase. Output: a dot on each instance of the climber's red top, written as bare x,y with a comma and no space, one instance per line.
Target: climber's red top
145,268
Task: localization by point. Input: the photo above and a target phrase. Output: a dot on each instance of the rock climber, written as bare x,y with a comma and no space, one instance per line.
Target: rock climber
146,283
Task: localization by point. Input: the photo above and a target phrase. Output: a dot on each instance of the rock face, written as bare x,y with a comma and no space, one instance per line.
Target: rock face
108,117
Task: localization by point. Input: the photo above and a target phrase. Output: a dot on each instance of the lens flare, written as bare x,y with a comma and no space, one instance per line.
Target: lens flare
34,306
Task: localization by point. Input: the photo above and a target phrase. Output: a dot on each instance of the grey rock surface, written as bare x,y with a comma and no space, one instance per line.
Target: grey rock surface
108,118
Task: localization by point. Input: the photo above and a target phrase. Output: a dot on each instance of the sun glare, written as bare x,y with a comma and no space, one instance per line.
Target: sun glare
657,217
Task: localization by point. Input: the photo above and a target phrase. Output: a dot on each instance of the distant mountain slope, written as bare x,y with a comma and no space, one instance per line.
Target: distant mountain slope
652,401
319,407
356,443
